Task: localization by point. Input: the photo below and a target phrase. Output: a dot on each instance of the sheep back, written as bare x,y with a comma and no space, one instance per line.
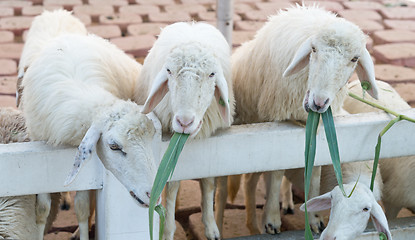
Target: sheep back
66,87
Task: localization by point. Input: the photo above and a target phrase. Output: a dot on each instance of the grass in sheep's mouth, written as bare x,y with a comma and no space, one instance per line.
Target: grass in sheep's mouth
310,152
164,172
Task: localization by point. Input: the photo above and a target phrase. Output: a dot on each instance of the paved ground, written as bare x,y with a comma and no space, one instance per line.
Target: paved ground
134,24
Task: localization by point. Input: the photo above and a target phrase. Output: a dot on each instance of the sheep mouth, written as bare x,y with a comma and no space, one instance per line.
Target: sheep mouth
142,203
305,103
197,129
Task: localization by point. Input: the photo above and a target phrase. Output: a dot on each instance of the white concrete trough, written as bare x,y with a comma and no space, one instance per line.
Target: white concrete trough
30,168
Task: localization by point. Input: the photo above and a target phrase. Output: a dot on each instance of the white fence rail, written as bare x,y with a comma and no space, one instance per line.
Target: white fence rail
30,168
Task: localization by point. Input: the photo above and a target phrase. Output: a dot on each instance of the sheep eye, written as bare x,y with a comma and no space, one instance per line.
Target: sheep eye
115,147
168,71
355,59
365,209
211,75
314,49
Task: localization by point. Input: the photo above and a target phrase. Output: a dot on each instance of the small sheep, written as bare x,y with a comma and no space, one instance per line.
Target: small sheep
187,77
396,172
300,60
76,93
17,214
58,22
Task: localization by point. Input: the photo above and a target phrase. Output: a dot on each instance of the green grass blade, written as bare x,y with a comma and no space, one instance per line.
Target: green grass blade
330,130
164,172
309,154
377,149
162,213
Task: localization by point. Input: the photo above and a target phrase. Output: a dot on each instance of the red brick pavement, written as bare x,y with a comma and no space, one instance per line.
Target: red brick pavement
134,24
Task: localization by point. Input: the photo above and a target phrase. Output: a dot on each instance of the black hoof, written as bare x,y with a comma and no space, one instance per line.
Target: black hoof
321,227
288,211
65,206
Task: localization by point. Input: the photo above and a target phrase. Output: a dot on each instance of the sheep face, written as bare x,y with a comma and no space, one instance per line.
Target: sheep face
123,143
349,216
332,56
193,76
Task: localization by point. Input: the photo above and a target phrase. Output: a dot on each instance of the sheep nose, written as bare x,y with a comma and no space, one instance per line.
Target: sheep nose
185,121
319,104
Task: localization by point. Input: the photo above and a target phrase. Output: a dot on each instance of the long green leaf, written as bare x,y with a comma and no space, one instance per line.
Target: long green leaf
330,130
310,153
377,149
164,172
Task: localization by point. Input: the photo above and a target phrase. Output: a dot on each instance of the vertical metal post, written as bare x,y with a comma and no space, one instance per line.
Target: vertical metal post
224,15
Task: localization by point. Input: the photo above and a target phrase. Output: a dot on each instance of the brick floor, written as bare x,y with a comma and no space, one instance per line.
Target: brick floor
6,37
136,45
11,50
6,11
392,53
393,36
394,74
145,29
106,31
15,24
402,13
8,67
353,14
122,20
8,84
400,24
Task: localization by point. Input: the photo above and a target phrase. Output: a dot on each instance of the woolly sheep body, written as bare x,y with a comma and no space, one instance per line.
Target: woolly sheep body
58,22
396,172
63,121
193,60
299,60
76,93
17,214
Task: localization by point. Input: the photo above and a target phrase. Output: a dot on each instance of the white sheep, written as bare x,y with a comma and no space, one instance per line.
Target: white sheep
17,214
75,93
45,27
347,220
396,172
300,60
187,77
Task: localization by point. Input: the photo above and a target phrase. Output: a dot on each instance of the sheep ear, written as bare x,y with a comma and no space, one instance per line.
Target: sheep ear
300,60
379,220
222,97
158,91
84,152
366,72
319,203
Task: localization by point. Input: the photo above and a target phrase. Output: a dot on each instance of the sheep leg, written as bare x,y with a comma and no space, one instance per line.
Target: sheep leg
271,218
43,203
82,214
220,201
315,219
66,201
391,210
171,194
208,193
287,196
250,183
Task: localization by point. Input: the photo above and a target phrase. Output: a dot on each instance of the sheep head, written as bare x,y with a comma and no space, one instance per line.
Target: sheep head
194,76
123,137
332,55
349,216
